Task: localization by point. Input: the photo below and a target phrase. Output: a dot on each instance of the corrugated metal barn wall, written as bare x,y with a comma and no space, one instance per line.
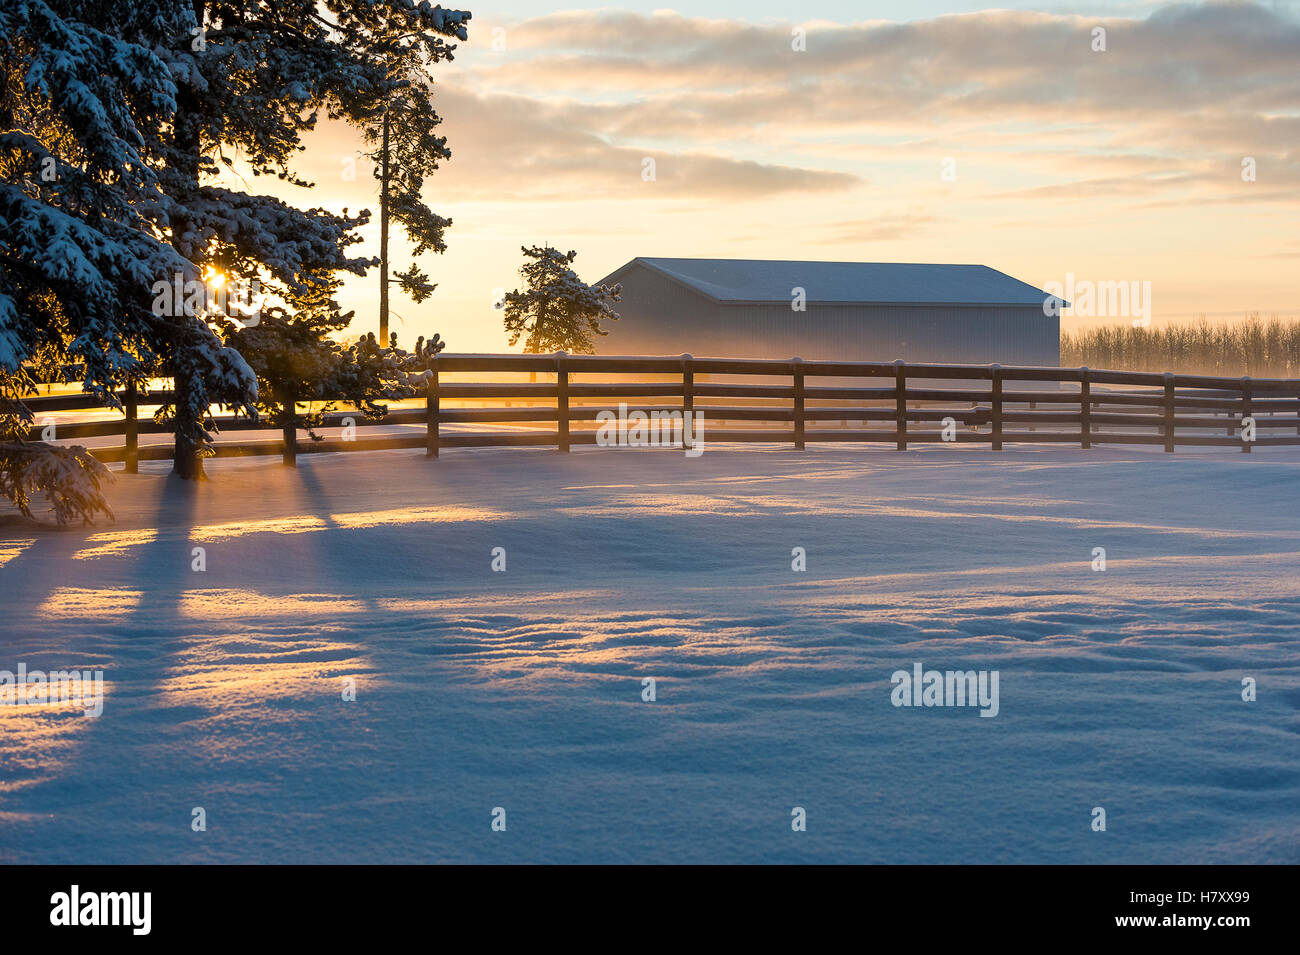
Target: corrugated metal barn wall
917,333
662,317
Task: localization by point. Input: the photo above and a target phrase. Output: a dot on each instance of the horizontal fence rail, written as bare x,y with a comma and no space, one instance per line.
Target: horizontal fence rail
752,400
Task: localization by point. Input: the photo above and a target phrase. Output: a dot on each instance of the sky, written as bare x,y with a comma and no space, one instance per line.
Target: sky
920,131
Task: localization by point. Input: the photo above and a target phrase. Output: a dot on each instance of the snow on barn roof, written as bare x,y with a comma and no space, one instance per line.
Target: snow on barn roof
769,280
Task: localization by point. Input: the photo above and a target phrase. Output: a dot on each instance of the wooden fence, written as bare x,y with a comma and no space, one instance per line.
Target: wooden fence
793,401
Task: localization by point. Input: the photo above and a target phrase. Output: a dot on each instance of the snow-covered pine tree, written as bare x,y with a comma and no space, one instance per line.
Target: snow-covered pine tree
303,374
557,311
249,80
49,359
400,132
81,212
367,374
132,103
253,76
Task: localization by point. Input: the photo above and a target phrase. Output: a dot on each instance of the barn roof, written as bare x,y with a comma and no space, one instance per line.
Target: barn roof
770,280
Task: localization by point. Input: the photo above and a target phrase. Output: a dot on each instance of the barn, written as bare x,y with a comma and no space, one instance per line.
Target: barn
855,311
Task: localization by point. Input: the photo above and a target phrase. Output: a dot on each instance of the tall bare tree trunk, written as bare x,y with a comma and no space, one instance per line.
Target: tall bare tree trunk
383,237
187,462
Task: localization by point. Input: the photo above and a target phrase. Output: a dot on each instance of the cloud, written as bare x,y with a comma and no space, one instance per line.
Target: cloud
1181,55
508,148
583,95
889,227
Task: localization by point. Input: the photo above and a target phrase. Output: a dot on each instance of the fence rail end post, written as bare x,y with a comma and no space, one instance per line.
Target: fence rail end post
289,454
1085,409
900,404
131,454
1169,412
1246,413
995,428
796,373
562,402
432,411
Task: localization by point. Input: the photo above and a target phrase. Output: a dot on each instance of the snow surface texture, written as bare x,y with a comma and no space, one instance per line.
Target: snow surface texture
522,689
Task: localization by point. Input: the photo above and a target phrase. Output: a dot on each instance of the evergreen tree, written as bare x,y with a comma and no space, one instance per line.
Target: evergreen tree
132,104
303,374
557,311
255,77
81,214
400,131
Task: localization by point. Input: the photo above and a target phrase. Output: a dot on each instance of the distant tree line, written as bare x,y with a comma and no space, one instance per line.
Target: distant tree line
1260,348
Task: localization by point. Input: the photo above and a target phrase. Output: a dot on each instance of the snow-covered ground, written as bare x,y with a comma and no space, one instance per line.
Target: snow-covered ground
523,689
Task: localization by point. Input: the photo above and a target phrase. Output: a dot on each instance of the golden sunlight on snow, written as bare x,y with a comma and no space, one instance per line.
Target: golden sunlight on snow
11,549
102,605
253,606
115,543
222,675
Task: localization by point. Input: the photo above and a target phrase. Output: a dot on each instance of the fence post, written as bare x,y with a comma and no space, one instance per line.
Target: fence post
562,401
995,428
797,371
431,411
1085,409
1169,412
290,430
131,459
688,386
900,403
1245,412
